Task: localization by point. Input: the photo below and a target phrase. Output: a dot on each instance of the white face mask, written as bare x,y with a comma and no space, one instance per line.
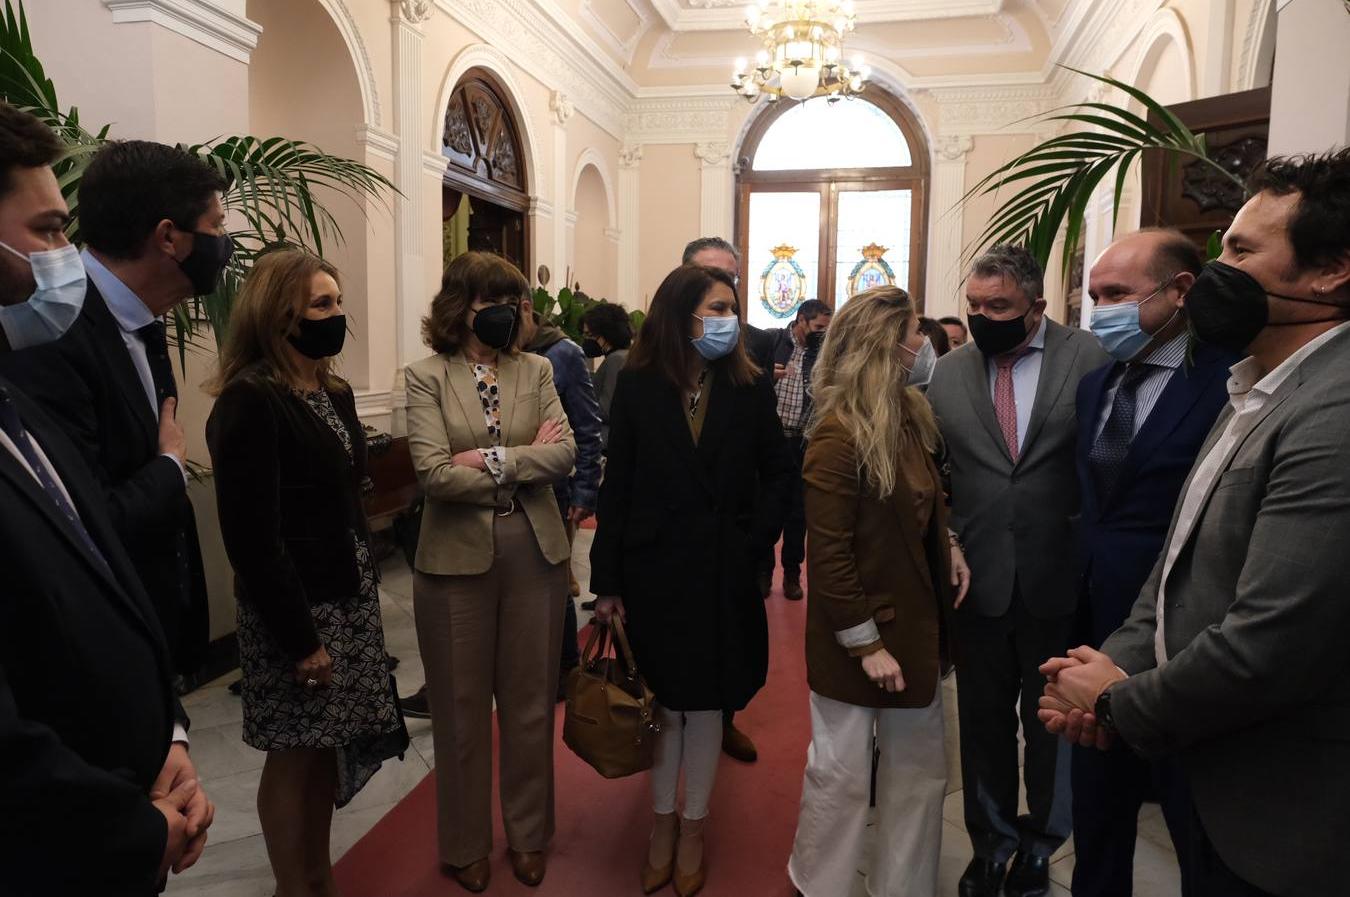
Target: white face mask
924,360
54,305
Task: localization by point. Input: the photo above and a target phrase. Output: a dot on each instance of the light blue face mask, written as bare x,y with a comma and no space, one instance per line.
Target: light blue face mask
720,335
54,305
1118,327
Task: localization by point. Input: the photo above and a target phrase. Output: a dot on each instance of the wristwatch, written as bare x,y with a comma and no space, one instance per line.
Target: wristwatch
1102,710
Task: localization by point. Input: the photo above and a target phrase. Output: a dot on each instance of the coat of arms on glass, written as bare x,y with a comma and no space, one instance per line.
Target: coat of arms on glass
872,271
783,283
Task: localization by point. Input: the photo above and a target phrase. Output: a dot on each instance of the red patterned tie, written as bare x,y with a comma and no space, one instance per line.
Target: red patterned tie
1005,400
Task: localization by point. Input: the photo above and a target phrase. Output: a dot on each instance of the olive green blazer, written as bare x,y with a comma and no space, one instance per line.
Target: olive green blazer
445,417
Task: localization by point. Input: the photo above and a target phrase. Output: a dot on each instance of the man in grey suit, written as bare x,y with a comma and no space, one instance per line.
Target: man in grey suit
1234,657
1006,408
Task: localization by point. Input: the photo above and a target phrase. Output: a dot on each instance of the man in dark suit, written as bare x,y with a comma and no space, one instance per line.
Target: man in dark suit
153,223
1141,422
1233,658
97,792
1006,409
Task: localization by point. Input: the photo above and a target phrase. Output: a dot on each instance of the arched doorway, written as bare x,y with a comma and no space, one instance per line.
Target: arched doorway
832,197
485,179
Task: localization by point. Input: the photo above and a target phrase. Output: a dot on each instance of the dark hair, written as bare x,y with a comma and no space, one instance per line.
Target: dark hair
1175,254
1015,263
663,346
702,243
811,309
133,185
468,278
953,319
610,321
25,142
936,334
1319,229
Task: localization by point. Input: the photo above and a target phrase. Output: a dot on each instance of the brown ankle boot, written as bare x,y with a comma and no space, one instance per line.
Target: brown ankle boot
660,866
529,868
690,870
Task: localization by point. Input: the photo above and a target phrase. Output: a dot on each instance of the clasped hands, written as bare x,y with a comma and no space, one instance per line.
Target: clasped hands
1073,685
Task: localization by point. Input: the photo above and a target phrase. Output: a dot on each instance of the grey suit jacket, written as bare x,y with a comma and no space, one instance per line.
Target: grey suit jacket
1254,694
1016,520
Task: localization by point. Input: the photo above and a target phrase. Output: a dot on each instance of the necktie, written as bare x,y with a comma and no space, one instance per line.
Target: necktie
13,428
1005,400
1107,455
157,354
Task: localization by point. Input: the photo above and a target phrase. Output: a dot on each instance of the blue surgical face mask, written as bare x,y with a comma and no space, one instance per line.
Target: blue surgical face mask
720,335
1118,327
54,305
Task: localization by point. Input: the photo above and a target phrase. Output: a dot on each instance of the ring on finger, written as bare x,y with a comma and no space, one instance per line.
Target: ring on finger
311,682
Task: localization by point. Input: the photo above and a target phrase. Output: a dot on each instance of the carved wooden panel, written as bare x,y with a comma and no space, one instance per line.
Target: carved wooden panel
481,138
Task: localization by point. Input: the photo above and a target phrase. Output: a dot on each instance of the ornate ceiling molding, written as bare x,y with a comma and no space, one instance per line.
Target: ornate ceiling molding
675,119
625,47
729,15
201,21
964,111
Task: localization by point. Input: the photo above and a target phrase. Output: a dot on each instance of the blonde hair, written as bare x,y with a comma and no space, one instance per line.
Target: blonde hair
860,381
269,304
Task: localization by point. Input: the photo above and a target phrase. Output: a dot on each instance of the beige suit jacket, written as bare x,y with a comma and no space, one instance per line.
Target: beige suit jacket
445,417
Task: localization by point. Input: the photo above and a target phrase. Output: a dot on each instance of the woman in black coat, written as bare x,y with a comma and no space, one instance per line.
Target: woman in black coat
695,485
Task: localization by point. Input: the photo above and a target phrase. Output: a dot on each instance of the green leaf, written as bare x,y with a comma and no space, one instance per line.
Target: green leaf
1214,246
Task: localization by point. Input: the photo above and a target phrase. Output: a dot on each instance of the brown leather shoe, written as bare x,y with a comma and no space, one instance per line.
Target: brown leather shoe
473,877
737,745
792,589
529,867
660,864
691,873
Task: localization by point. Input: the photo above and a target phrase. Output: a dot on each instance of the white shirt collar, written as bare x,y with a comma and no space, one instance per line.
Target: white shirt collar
1248,376
1038,341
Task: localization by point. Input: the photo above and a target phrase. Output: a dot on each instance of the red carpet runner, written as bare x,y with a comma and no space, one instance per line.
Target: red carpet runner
603,825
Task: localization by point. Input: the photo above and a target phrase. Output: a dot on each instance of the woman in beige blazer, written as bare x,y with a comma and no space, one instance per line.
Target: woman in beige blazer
489,438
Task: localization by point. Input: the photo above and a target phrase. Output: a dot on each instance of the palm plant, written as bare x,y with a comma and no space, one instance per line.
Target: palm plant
271,183
1054,181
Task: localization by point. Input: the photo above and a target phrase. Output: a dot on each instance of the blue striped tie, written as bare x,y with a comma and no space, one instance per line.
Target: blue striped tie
1108,453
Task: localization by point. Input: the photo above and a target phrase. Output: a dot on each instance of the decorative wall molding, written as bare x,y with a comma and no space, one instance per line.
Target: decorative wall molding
374,406
198,20
990,110
415,11
561,107
558,55
435,164
540,208
946,224
1253,42
678,119
1164,27
378,142
592,157
714,154
356,45
613,234
630,155
953,147
571,218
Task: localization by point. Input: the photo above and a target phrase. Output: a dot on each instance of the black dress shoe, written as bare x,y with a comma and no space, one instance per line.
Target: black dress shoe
416,706
982,878
764,582
1028,877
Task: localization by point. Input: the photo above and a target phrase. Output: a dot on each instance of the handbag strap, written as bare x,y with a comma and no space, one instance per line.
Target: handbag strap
621,645
597,645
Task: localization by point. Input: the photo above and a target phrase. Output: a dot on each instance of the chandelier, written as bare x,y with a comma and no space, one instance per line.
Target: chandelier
803,51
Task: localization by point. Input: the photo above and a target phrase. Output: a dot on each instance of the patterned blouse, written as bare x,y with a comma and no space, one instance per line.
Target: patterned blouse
490,396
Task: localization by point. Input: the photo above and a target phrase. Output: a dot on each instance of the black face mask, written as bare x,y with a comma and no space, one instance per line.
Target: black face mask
1229,308
319,339
207,260
997,337
496,325
592,348
815,340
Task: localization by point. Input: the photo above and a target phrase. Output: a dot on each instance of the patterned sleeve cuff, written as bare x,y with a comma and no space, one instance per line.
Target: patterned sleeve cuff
859,636
495,459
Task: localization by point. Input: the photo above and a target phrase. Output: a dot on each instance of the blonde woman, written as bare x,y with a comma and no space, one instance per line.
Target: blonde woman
883,571
289,455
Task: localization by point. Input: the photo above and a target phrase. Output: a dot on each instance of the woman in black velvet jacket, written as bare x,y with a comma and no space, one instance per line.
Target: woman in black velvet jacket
289,456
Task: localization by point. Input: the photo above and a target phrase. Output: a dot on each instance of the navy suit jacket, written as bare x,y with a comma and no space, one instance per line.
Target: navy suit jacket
1122,534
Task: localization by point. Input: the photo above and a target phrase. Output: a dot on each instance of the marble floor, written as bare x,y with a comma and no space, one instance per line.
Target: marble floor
235,862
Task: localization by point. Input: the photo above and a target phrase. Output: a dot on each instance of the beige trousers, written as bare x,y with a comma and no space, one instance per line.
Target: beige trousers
832,829
493,634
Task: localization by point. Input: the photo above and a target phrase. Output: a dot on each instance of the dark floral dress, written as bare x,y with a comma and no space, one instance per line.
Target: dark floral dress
356,714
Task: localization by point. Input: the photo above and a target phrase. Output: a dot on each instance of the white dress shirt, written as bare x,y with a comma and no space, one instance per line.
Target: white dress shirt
1248,391
179,733
1026,374
1163,362
131,314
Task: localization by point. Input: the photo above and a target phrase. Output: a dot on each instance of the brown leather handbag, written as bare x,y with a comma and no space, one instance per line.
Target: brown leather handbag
611,715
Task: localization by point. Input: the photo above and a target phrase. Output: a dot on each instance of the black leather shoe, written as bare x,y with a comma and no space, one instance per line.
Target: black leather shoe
982,878
764,582
1028,877
416,706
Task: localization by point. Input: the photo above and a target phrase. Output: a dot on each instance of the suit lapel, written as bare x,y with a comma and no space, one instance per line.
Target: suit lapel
718,419
976,376
1059,355
902,502
667,403
464,387
508,385
117,362
1093,395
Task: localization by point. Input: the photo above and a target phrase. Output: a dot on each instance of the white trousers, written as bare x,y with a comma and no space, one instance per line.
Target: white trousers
827,854
692,741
